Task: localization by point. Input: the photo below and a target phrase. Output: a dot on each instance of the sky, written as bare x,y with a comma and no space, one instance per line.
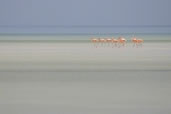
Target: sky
84,16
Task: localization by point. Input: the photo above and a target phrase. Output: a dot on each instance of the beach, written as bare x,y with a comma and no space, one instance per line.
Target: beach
73,78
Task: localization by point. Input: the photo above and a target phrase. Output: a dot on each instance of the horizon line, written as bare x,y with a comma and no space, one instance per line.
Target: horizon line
120,33
85,26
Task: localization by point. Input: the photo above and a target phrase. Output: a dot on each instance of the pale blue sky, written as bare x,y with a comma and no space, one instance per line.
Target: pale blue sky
70,16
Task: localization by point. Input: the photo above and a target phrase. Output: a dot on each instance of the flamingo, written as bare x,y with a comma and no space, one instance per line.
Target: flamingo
134,41
102,41
108,40
114,41
121,41
140,41
94,41
137,42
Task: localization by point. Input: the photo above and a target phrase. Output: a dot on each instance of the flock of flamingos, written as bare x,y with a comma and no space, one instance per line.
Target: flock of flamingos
119,42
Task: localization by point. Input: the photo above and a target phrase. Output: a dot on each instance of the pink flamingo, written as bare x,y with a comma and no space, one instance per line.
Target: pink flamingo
134,41
114,41
122,41
108,40
140,41
94,41
102,40
137,42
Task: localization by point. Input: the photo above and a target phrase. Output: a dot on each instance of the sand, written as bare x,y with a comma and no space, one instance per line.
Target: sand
74,78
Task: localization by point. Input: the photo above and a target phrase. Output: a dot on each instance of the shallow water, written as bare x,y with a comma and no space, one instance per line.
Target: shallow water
81,38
